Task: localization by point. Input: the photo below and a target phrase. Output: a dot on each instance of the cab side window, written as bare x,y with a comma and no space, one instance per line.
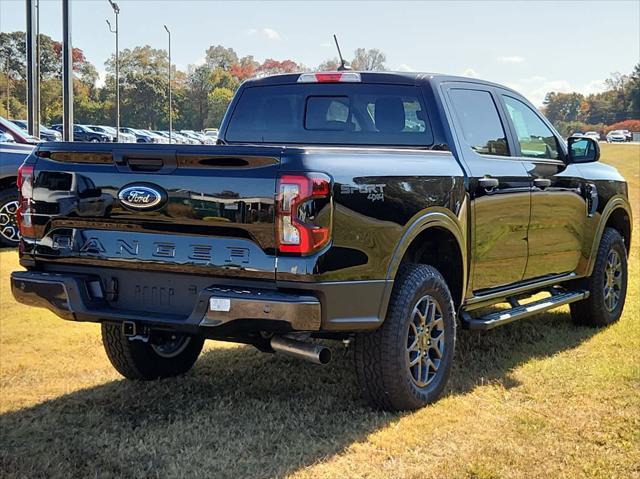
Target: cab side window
535,138
480,122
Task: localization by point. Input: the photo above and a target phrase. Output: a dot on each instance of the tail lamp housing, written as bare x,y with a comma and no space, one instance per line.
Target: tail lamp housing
25,201
299,198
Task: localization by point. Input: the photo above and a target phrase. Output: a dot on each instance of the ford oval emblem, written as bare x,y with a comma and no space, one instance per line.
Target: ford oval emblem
142,197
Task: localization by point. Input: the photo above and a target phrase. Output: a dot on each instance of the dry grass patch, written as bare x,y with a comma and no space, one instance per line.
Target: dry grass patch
538,398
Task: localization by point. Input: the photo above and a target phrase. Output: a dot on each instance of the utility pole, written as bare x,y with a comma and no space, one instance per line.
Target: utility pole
170,104
37,93
116,10
33,126
67,73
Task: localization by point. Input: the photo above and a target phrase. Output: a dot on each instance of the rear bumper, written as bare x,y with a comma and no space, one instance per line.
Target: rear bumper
81,297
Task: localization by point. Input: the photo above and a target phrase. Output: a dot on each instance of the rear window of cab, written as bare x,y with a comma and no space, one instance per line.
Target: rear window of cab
331,114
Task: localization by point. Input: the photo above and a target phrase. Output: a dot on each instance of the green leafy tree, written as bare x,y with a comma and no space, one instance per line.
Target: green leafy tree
144,87
633,92
220,57
199,85
563,106
219,100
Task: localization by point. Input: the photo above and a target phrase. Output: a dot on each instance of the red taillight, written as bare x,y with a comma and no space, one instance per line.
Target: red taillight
330,77
25,197
299,199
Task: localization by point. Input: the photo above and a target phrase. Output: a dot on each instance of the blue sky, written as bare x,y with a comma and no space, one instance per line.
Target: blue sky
534,46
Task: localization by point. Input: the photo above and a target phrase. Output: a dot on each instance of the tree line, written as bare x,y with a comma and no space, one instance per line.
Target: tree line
200,95
618,107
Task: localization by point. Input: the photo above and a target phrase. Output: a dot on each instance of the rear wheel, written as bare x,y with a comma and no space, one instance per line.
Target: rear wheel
607,284
406,363
9,233
164,355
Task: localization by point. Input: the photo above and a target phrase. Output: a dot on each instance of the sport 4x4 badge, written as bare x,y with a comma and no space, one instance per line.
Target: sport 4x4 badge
373,192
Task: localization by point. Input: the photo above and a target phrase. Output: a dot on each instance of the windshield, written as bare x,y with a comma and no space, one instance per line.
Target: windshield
331,113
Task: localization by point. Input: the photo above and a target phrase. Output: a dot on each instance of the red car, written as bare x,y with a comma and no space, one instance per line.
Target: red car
18,134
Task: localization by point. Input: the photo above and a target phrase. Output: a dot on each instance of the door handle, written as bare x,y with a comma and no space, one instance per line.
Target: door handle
542,183
488,183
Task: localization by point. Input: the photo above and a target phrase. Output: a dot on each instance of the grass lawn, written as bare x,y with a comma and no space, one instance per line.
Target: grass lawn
538,398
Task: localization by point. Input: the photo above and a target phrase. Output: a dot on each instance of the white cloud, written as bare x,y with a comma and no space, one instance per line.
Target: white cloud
511,59
470,72
268,33
536,87
405,68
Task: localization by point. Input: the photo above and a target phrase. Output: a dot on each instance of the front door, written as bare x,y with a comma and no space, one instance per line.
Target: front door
558,207
499,186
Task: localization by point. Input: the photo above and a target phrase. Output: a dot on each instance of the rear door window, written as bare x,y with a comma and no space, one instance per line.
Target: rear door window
341,114
480,122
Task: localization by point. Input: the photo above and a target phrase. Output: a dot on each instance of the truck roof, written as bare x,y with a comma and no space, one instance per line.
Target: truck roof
396,77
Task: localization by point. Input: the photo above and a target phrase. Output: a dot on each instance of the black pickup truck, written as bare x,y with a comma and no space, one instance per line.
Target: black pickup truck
375,208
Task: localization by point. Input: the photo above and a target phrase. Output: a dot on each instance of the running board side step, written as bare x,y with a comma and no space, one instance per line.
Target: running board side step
519,311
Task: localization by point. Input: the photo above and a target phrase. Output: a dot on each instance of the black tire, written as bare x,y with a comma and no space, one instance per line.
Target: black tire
382,357
141,360
9,234
597,310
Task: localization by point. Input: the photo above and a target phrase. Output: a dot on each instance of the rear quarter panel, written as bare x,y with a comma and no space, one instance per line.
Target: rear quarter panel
379,194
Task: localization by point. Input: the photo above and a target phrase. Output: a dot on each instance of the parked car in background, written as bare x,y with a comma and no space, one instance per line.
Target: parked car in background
616,136
84,133
185,140
212,133
155,138
109,130
577,134
140,136
593,134
12,154
46,134
10,129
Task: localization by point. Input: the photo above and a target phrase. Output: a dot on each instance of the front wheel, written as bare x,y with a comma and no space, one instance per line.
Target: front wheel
163,355
406,363
607,284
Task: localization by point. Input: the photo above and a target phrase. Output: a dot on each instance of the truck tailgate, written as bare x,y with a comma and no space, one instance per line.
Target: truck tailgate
196,209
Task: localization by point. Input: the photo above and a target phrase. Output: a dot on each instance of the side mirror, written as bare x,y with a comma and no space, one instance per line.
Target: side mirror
583,150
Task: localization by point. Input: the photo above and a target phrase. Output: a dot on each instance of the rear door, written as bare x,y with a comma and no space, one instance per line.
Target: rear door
499,186
558,199
203,210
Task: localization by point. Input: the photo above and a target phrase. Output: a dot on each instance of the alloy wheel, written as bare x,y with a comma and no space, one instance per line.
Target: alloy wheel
612,280
425,341
8,221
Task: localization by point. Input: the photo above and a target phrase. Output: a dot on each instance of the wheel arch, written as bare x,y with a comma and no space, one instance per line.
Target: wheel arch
436,238
616,215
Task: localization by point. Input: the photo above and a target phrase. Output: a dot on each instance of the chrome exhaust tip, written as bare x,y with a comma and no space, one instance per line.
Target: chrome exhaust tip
315,353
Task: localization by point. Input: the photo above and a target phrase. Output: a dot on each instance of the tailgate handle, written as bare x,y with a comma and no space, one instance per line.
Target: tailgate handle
148,161
145,164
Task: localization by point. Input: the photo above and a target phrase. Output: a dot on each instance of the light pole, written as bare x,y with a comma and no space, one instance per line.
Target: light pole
116,10
170,105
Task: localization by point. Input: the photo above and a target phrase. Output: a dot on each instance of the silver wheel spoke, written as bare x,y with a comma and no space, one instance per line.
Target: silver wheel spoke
415,361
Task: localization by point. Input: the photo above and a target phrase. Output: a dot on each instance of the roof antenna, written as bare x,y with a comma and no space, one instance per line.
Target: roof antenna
343,64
